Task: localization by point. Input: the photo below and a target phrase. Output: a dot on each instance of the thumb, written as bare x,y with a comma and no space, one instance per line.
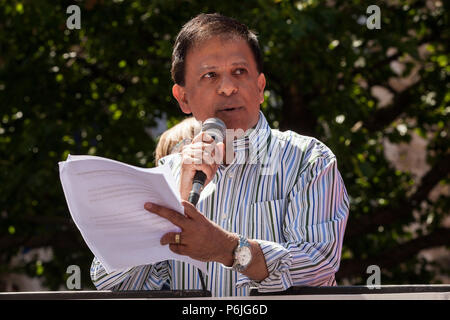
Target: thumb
219,151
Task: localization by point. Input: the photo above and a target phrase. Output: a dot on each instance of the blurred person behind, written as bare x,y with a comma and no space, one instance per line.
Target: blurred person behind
173,139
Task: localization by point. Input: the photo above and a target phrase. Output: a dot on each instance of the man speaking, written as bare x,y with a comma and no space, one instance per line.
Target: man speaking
273,214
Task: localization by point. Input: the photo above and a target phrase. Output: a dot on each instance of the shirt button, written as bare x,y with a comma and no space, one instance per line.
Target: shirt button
224,215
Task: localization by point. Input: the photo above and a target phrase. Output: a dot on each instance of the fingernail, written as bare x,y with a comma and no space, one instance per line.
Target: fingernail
148,205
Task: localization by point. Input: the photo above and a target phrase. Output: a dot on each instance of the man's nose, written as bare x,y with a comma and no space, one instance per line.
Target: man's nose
227,86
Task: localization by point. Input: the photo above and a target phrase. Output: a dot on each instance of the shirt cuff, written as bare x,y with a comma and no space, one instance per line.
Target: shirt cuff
278,261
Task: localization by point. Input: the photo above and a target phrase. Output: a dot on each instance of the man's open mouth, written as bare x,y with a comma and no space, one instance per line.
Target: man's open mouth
230,109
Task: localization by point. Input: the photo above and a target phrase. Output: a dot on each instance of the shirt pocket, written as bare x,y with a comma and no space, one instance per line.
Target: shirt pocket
265,220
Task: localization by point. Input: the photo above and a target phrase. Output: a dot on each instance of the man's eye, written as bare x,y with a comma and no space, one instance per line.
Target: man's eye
209,75
240,71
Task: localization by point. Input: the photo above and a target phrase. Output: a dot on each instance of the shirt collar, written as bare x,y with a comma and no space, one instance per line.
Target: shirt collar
253,144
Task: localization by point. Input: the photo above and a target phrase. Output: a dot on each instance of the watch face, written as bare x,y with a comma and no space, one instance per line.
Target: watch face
244,256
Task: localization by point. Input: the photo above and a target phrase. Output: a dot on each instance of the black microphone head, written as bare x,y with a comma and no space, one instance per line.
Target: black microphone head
216,128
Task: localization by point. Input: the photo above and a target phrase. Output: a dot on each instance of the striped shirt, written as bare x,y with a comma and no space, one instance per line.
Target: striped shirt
283,190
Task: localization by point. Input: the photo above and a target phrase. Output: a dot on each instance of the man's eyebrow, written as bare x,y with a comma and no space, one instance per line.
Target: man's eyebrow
208,67
240,63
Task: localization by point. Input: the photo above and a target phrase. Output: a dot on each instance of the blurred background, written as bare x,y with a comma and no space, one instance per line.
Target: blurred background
379,98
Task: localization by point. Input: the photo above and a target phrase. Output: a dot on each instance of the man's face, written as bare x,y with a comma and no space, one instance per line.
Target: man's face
222,81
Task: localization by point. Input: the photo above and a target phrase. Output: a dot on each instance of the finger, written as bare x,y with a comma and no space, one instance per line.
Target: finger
178,248
207,138
202,137
209,170
188,159
208,158
198,138
171,215
192,158
170,238
210,147
205,162
207,151
200,152
198,156
190,210
219,151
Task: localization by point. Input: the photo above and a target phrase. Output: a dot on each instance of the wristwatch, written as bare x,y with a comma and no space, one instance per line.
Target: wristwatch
242,255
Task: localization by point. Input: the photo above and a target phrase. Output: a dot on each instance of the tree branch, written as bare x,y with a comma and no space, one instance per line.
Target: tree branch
377,65
386,61
390,258
440,170
383,117
402,100
386,216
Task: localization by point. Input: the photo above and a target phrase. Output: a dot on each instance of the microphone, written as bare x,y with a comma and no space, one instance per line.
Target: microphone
216,129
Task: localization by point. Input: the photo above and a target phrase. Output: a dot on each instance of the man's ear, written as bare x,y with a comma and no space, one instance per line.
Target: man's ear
179,93
261,85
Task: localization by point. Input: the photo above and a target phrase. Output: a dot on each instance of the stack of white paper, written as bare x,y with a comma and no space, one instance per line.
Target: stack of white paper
106,200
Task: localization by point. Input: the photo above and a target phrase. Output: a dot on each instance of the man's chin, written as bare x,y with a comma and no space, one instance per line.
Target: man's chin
234,119
234,124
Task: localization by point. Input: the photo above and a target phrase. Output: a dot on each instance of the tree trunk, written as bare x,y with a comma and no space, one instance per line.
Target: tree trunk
296,116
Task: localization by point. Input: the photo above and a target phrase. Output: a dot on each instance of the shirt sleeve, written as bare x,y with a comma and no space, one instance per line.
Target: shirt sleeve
314,224
145,277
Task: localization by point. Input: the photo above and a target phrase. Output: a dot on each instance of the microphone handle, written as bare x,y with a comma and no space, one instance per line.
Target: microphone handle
197,186
194,195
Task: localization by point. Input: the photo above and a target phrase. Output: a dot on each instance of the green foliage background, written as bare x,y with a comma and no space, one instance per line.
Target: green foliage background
99,90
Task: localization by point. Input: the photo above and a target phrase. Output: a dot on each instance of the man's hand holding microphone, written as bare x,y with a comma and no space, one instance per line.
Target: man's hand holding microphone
200,238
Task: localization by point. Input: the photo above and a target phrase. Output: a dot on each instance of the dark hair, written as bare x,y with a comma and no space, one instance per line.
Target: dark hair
203,27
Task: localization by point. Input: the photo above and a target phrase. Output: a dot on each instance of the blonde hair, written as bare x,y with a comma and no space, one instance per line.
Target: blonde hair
172,140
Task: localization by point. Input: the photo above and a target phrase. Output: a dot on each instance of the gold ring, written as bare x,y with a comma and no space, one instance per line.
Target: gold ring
177,238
